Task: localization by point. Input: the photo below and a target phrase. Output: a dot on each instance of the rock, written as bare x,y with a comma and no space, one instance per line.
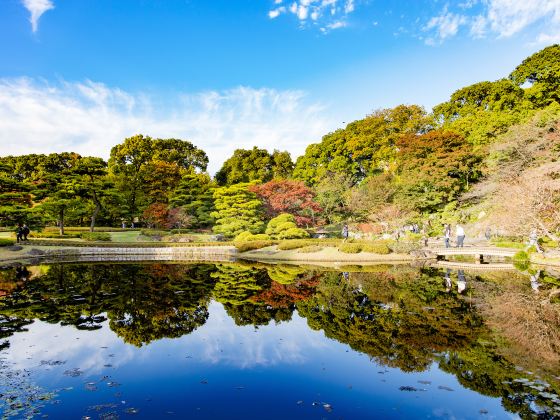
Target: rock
35,251
14,248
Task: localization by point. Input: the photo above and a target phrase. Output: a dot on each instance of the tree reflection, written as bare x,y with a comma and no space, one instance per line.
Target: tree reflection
143,302
400,316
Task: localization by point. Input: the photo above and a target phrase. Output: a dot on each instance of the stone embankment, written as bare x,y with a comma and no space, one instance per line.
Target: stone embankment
203,253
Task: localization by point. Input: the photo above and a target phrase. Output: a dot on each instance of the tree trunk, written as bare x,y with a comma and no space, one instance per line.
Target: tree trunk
95,211
61,221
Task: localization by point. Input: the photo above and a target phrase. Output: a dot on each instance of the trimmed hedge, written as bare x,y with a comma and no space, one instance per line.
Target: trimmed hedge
376,248
96,236
154,233
249,237
6,242
293,244
350,248
252,245
55,235
86,229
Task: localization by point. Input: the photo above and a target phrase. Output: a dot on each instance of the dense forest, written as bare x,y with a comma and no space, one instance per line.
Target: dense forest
488,152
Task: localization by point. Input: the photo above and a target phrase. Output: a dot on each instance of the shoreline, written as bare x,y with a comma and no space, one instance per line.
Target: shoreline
328,256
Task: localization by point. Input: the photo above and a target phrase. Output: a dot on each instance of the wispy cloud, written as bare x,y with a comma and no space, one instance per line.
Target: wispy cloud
445,25
327,15
90,118
36,9
499,18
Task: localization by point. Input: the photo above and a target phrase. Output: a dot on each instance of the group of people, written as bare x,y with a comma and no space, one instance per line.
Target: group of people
459,233
21,232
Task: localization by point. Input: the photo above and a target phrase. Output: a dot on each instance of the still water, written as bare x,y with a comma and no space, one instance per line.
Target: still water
238,341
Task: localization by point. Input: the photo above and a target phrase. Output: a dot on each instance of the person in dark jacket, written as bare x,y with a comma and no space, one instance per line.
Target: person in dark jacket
19,233
25,231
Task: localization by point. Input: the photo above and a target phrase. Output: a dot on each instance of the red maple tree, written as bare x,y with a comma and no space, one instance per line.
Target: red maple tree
286,196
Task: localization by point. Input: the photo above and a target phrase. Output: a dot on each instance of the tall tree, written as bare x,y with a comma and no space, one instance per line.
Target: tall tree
287,196
435,168
194,194
254,165
237,210
542,71
95,183
147,170
15,199
363,147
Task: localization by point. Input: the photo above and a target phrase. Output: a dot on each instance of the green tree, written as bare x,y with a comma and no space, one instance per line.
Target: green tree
15,199
254,165
542,71
95,184
147,170
195,195
482,111
363,147
237,210
434,169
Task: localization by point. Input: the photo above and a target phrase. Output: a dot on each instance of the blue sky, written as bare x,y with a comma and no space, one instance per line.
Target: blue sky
82,75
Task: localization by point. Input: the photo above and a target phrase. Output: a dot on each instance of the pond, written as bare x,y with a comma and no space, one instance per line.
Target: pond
241,341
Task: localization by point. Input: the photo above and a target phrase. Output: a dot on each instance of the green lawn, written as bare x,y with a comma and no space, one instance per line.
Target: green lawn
125,236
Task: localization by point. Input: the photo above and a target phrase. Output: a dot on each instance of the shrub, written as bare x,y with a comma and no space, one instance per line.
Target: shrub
293,233
310,249
249,237
548,243
350,248
153,232
273,224
243,236
54,235
521,260
507,244
292,244
251,245
402,247
376,248
284,227
413,237
6,242
95,236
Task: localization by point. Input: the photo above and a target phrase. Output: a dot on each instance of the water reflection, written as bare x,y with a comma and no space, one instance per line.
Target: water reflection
401,317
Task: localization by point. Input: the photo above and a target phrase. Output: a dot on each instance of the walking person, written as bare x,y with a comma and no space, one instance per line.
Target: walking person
447,235
488,233
460,232
345,231
447,279
534,240
25,231
461,281
19,233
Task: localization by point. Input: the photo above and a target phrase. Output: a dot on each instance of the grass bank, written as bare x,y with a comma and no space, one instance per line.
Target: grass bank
327,254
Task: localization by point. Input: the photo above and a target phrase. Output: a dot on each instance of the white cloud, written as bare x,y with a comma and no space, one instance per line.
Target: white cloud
501,18
36,9
90,118
325,14
445,25
508,17
273,14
